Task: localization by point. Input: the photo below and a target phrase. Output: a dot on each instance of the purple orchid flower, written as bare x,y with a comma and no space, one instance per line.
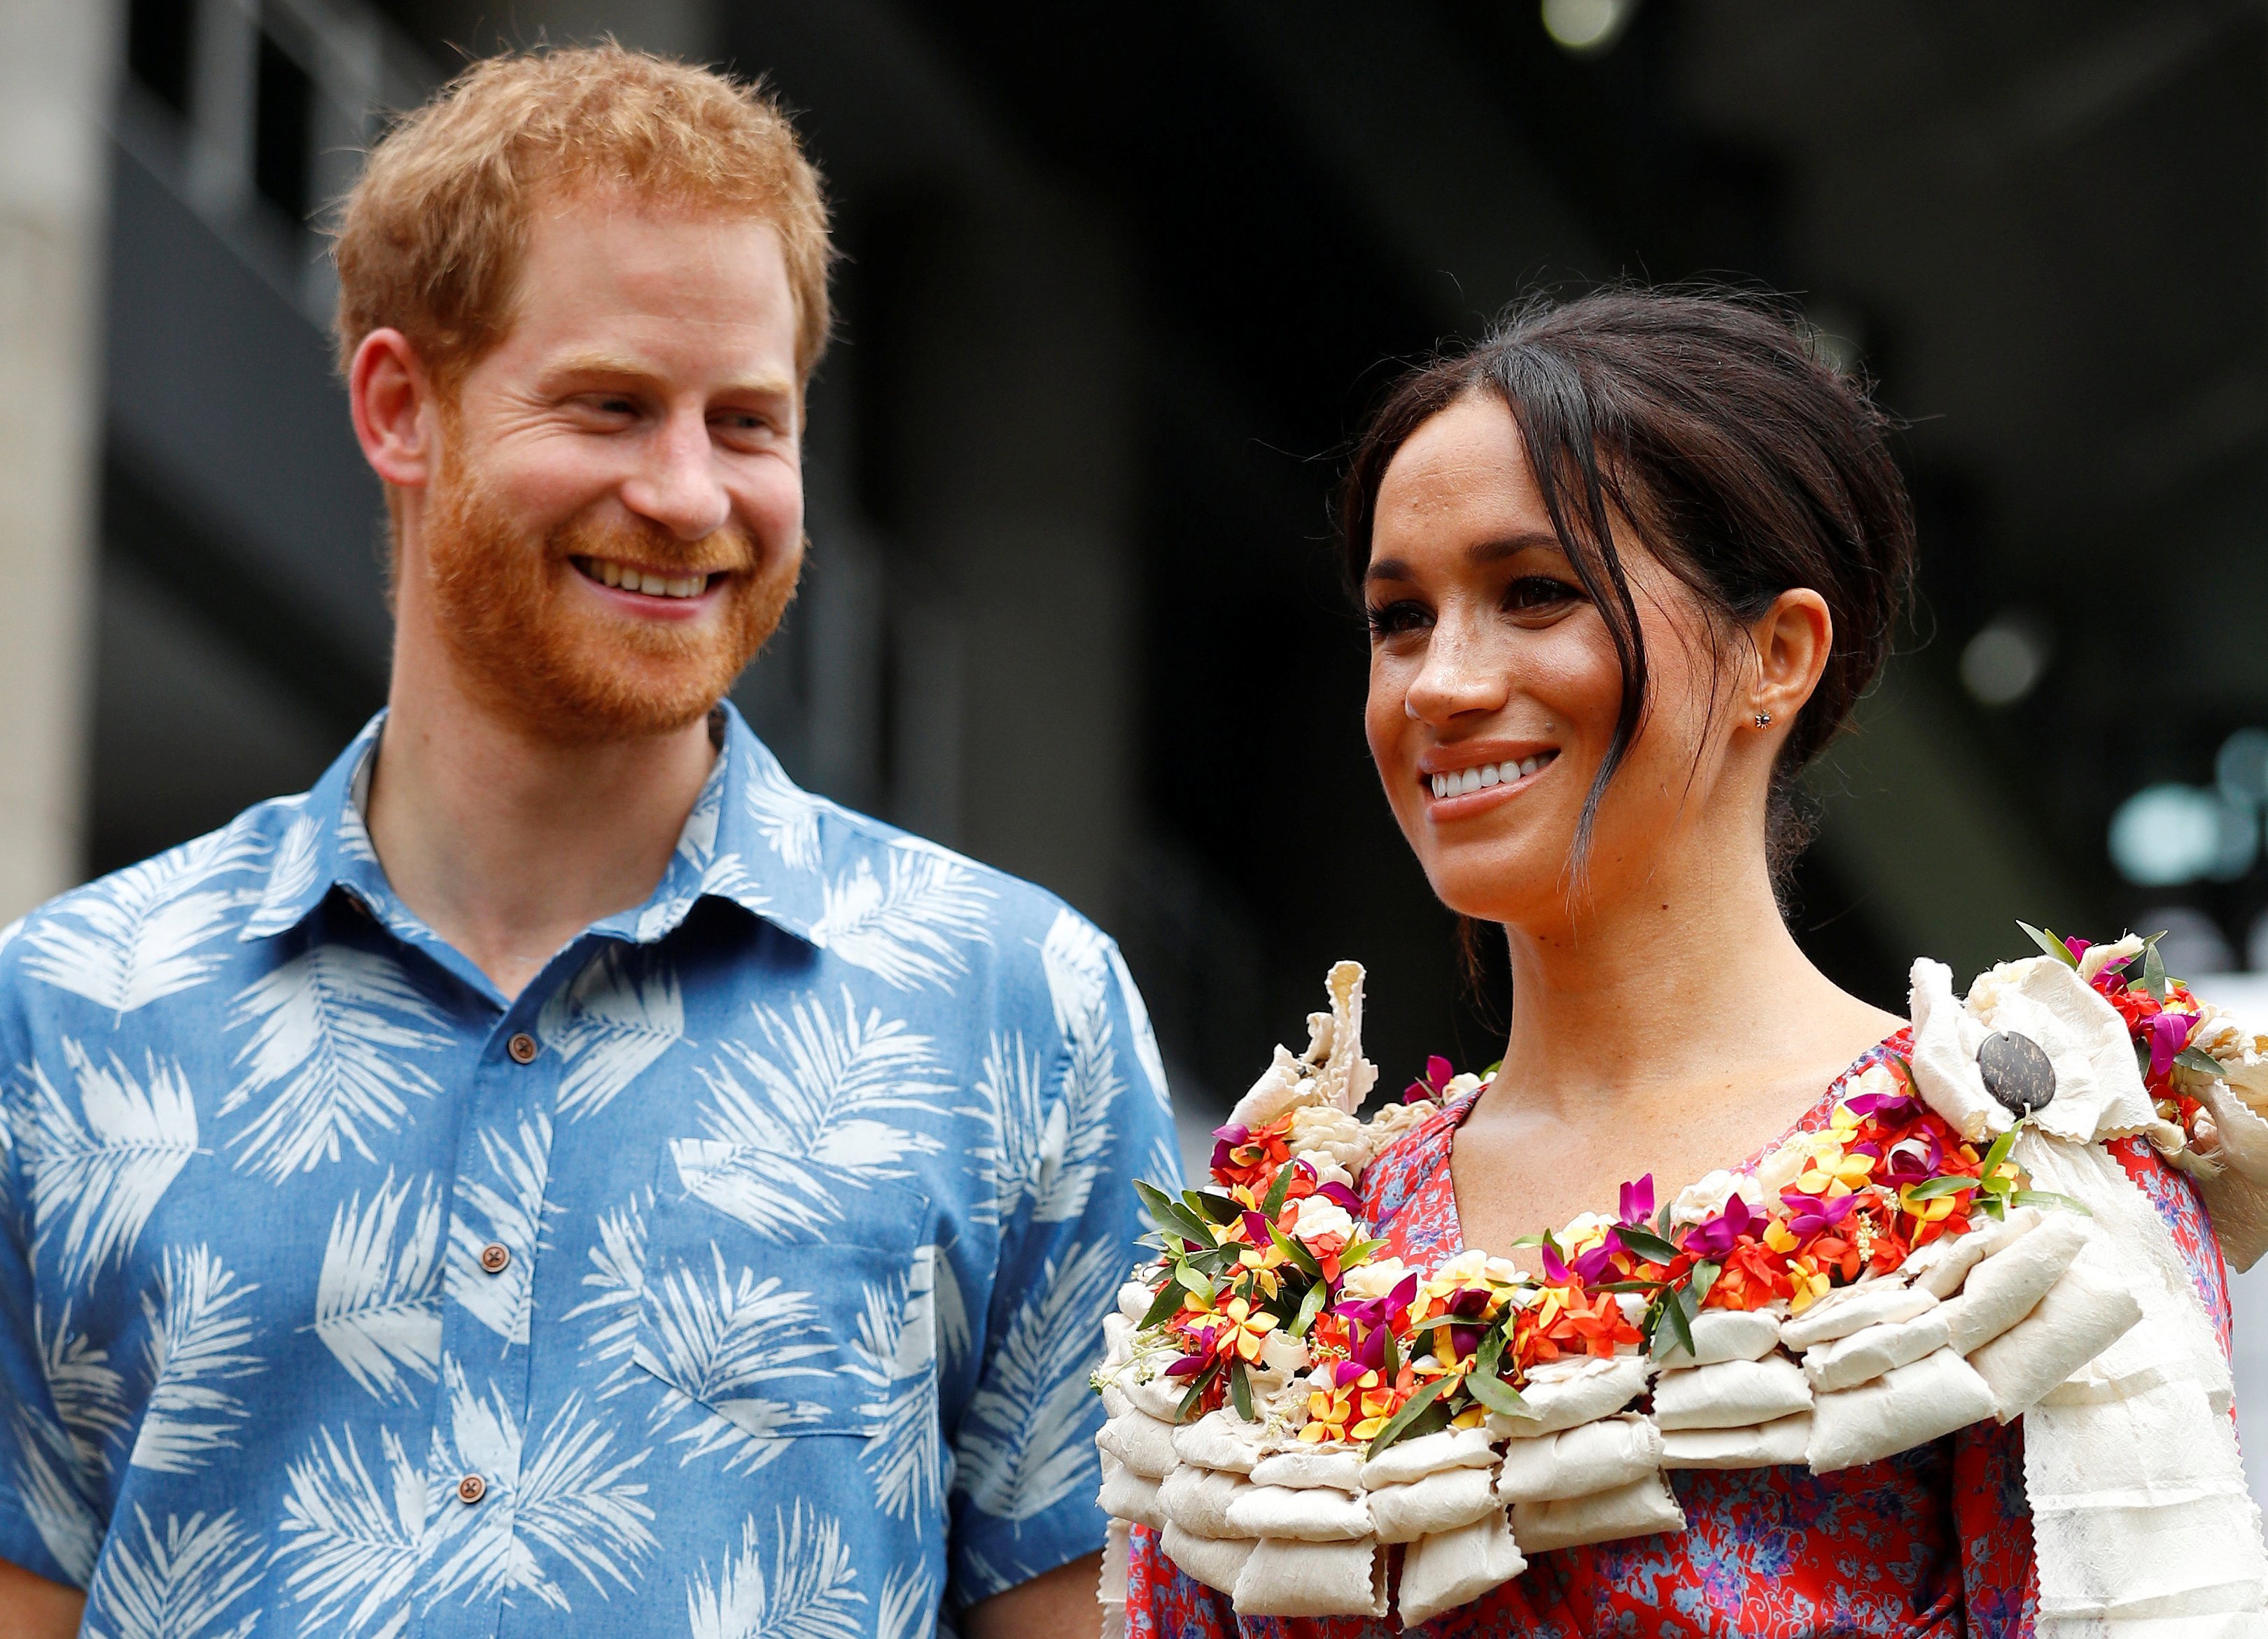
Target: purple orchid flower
1637,1200
2078,947
1555,1267
1186,1366
1226,1139
1438,1072
1915,1157
2169,1034
1590,1265
1720,1234
1810,1214
1255,1228
1342,1194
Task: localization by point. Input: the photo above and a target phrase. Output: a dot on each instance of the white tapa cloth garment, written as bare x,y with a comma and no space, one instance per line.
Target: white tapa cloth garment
2117,1557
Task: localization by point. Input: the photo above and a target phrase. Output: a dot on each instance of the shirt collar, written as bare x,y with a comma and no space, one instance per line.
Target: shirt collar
754,839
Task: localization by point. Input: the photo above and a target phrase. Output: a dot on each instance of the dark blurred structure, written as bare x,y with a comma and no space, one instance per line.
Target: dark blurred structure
1120,279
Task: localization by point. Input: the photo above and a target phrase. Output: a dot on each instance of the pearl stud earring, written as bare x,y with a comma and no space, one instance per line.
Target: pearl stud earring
1763,719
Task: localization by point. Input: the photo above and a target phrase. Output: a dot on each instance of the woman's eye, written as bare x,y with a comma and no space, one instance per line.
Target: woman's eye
1532,592
1391,620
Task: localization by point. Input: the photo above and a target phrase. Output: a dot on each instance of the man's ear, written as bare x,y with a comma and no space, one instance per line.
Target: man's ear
391,395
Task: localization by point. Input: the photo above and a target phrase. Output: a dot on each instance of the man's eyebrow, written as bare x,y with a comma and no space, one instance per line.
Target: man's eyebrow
625,367
1491,551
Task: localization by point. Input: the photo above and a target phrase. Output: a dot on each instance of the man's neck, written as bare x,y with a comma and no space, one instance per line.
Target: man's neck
508,845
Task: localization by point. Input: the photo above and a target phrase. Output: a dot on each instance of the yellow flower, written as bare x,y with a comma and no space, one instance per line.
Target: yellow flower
1927,1211
1831,1172
1361,1410
1777,1236
1245,1332
1811,1285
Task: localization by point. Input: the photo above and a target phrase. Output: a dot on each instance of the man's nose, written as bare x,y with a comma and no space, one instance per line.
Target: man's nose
678,485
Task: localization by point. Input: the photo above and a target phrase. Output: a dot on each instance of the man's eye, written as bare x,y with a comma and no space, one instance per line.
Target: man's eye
1391,620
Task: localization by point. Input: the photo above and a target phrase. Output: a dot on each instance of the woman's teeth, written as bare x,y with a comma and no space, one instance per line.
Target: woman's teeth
608,573
1488,774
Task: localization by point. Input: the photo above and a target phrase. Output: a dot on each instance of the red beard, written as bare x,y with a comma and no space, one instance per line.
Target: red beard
529,645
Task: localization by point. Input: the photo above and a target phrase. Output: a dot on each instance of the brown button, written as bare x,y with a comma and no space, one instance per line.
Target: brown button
522,1048
471,1490
495,1257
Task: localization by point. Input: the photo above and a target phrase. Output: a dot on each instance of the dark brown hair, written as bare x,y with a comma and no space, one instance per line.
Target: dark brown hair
1745,463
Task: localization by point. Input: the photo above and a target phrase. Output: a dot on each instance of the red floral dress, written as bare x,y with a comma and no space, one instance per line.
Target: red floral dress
1935,1542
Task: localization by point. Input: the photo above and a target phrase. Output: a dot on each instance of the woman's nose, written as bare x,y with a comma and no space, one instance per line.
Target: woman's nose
1461,674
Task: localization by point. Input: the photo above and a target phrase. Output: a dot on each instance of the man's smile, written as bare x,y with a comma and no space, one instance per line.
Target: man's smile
646,581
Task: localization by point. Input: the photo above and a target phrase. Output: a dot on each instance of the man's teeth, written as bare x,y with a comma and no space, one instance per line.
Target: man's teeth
1487,775
608,573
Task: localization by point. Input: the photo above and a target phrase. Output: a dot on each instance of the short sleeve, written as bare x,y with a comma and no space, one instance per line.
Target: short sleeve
1094,1116
50,1522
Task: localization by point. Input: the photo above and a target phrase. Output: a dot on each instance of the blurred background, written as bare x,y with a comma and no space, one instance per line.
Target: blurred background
1119,282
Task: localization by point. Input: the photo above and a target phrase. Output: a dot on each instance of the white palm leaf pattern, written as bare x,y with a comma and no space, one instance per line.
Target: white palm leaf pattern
55,1494
785,818
1076,958
101,1178
293,871
907,926
377,1301
715,1344
617,1280
1022,1129
89,1393
199,1338
329,1028
894,1356
696,838
623,1012
354,1544
1146,1038
907,1609
141,934
561,1503
780,1153
1024,1445
179,1584
504,1207
809,1595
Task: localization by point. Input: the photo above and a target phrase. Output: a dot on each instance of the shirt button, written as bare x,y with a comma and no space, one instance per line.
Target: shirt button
522,1048
471,1490
495,1257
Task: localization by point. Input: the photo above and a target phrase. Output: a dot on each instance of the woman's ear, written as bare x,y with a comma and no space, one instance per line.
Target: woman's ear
1792,640
391,397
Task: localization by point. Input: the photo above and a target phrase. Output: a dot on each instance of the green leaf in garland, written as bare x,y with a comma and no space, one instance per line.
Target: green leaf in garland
1207,1205
1646,1244
1194,1282
2142,1058
1164,1306
2198,1060
1277,1191
1191,1400
2154,967
1171,1216
1673,1329
1300,1255
1932,1189
1414,1408
1999,1152
2045,938
1392,1368
2048,1198
1498,1395
1310,1306
1240,1390
1704,1277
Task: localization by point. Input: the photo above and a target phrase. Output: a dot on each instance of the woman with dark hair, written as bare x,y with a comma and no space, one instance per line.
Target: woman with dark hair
1628,565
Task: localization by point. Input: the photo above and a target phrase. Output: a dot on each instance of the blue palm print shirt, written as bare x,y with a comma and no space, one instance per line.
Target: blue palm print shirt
742,1276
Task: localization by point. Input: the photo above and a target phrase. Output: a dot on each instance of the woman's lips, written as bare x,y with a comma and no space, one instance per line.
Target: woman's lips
1451,793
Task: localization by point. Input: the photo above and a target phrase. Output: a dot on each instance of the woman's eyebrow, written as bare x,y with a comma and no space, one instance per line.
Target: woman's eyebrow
1481,552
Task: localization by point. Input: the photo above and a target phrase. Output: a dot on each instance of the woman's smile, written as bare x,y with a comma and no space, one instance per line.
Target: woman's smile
1459,781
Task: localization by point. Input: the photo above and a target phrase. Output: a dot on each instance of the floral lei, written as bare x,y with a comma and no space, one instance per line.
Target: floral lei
1265,1274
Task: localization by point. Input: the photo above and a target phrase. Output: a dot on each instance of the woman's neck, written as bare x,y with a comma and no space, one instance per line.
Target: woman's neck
1691,982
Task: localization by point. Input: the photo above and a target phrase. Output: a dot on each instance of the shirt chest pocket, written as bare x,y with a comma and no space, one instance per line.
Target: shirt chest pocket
774,1339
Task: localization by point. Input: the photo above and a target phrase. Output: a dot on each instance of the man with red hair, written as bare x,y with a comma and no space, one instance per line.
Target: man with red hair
556,1171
